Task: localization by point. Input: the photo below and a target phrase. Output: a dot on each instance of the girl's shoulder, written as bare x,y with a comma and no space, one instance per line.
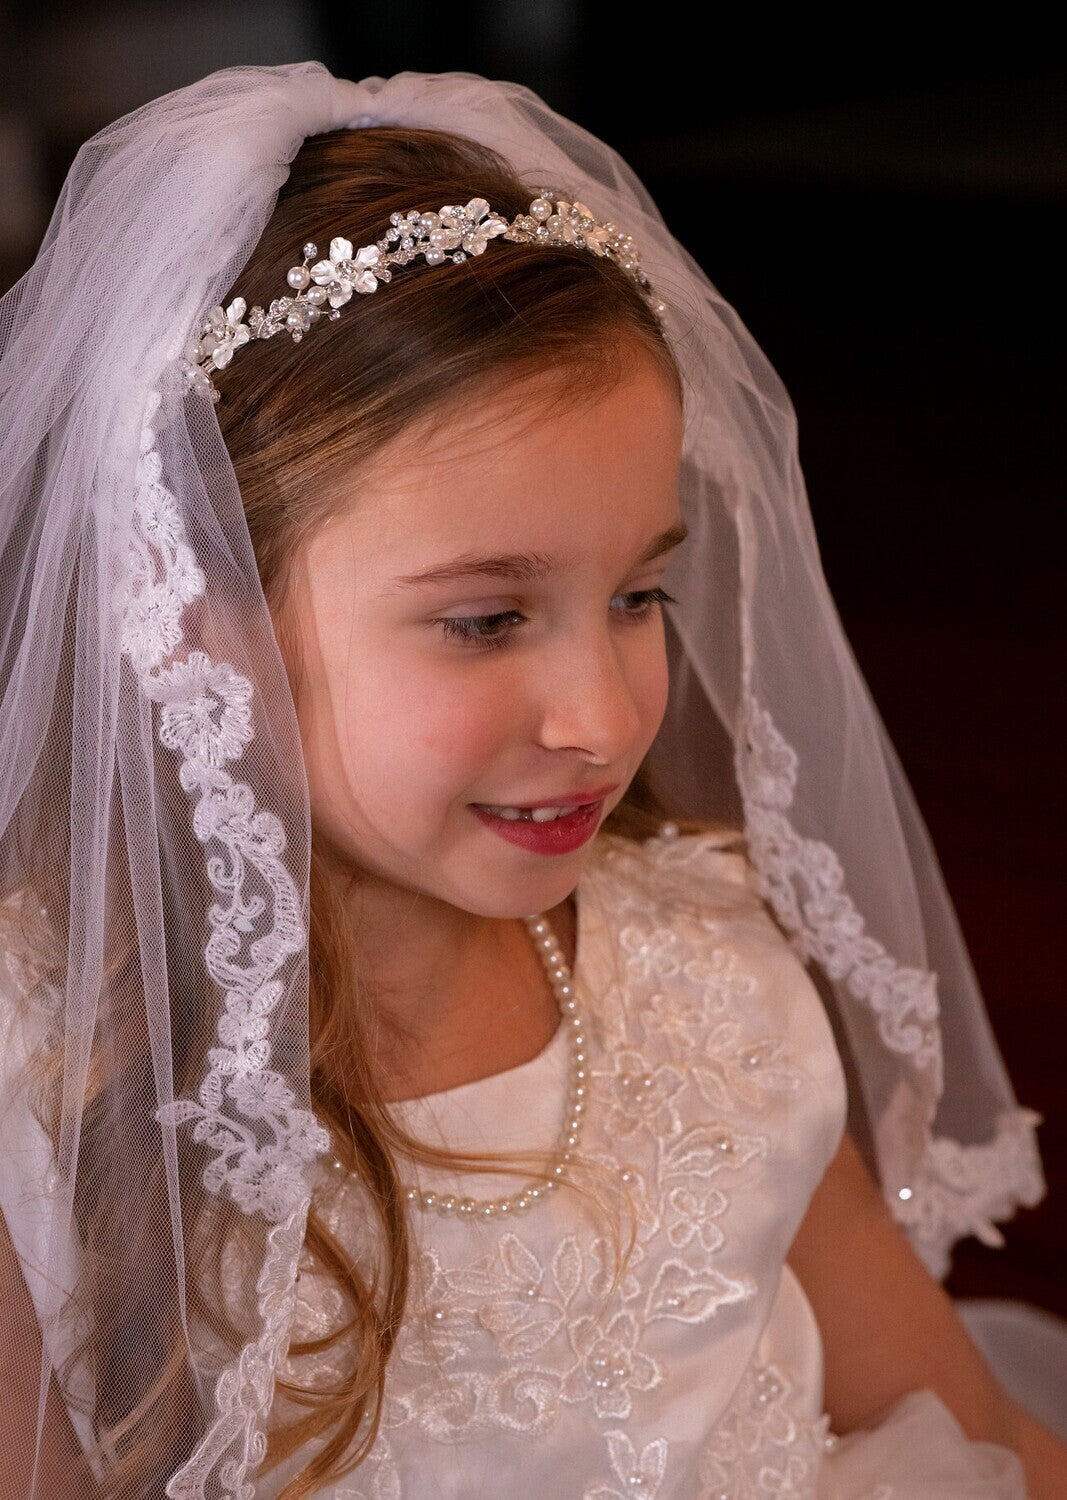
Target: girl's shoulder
677,920
690,981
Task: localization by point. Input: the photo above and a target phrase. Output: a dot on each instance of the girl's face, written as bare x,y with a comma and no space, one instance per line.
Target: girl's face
528,666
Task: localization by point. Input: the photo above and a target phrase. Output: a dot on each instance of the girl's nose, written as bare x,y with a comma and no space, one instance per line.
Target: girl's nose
591,702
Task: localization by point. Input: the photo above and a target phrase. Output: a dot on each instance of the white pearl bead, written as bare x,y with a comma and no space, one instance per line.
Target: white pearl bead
298,278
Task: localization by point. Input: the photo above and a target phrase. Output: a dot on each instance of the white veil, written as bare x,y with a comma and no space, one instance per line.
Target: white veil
153,994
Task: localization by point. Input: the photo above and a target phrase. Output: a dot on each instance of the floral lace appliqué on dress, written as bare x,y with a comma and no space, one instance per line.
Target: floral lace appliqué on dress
715,1102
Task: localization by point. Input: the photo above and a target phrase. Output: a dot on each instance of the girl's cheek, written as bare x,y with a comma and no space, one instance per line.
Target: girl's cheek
466,727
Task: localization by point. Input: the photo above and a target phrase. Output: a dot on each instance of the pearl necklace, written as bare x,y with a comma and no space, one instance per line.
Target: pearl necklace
470,1209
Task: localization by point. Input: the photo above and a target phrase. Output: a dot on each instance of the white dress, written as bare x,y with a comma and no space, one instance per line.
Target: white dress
716,1101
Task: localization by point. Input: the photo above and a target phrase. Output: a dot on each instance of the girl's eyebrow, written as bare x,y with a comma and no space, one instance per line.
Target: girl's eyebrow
526,567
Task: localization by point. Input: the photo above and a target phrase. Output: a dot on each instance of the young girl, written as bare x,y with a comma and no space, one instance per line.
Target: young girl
450,864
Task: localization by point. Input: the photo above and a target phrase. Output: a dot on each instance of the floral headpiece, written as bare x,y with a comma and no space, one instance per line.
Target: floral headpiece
450,235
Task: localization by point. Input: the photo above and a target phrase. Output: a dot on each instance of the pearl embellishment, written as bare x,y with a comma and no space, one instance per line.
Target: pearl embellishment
471,1210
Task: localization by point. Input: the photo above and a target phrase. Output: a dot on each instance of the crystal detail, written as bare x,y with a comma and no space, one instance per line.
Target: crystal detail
448,237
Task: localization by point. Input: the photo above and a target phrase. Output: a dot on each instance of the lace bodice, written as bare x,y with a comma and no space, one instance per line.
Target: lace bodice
530,1363
716,1100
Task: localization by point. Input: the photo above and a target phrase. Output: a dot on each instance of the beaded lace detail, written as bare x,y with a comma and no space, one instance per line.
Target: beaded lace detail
761,1448
519,1327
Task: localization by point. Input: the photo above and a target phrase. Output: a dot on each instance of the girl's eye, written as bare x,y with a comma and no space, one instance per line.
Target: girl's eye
643,600
486,632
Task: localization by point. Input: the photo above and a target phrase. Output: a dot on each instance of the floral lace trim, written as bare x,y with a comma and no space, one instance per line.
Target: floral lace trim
803,880
960,1190
245,1112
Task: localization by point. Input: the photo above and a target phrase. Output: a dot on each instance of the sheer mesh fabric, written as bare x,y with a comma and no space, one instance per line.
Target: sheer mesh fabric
154,833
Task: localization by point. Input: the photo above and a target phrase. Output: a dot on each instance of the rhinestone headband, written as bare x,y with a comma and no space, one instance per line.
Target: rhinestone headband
320,288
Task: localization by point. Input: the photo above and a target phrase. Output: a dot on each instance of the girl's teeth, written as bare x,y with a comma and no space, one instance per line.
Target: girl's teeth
535,815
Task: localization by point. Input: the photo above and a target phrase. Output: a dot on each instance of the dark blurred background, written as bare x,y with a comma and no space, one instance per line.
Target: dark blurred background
885,208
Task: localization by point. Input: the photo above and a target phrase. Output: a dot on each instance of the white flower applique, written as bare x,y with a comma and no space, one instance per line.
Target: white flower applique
610,1367
470,227
734,1070
716,985
651,955
206,715
639,1474
697,1215
346,272
640,1096
225,333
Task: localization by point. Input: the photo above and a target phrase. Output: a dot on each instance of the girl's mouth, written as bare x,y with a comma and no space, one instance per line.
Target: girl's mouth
542,830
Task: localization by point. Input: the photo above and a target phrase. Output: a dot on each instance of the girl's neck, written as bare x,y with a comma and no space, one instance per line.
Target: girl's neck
461,998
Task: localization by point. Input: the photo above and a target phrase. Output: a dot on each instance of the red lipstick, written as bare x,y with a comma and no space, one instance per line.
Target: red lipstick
558,835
